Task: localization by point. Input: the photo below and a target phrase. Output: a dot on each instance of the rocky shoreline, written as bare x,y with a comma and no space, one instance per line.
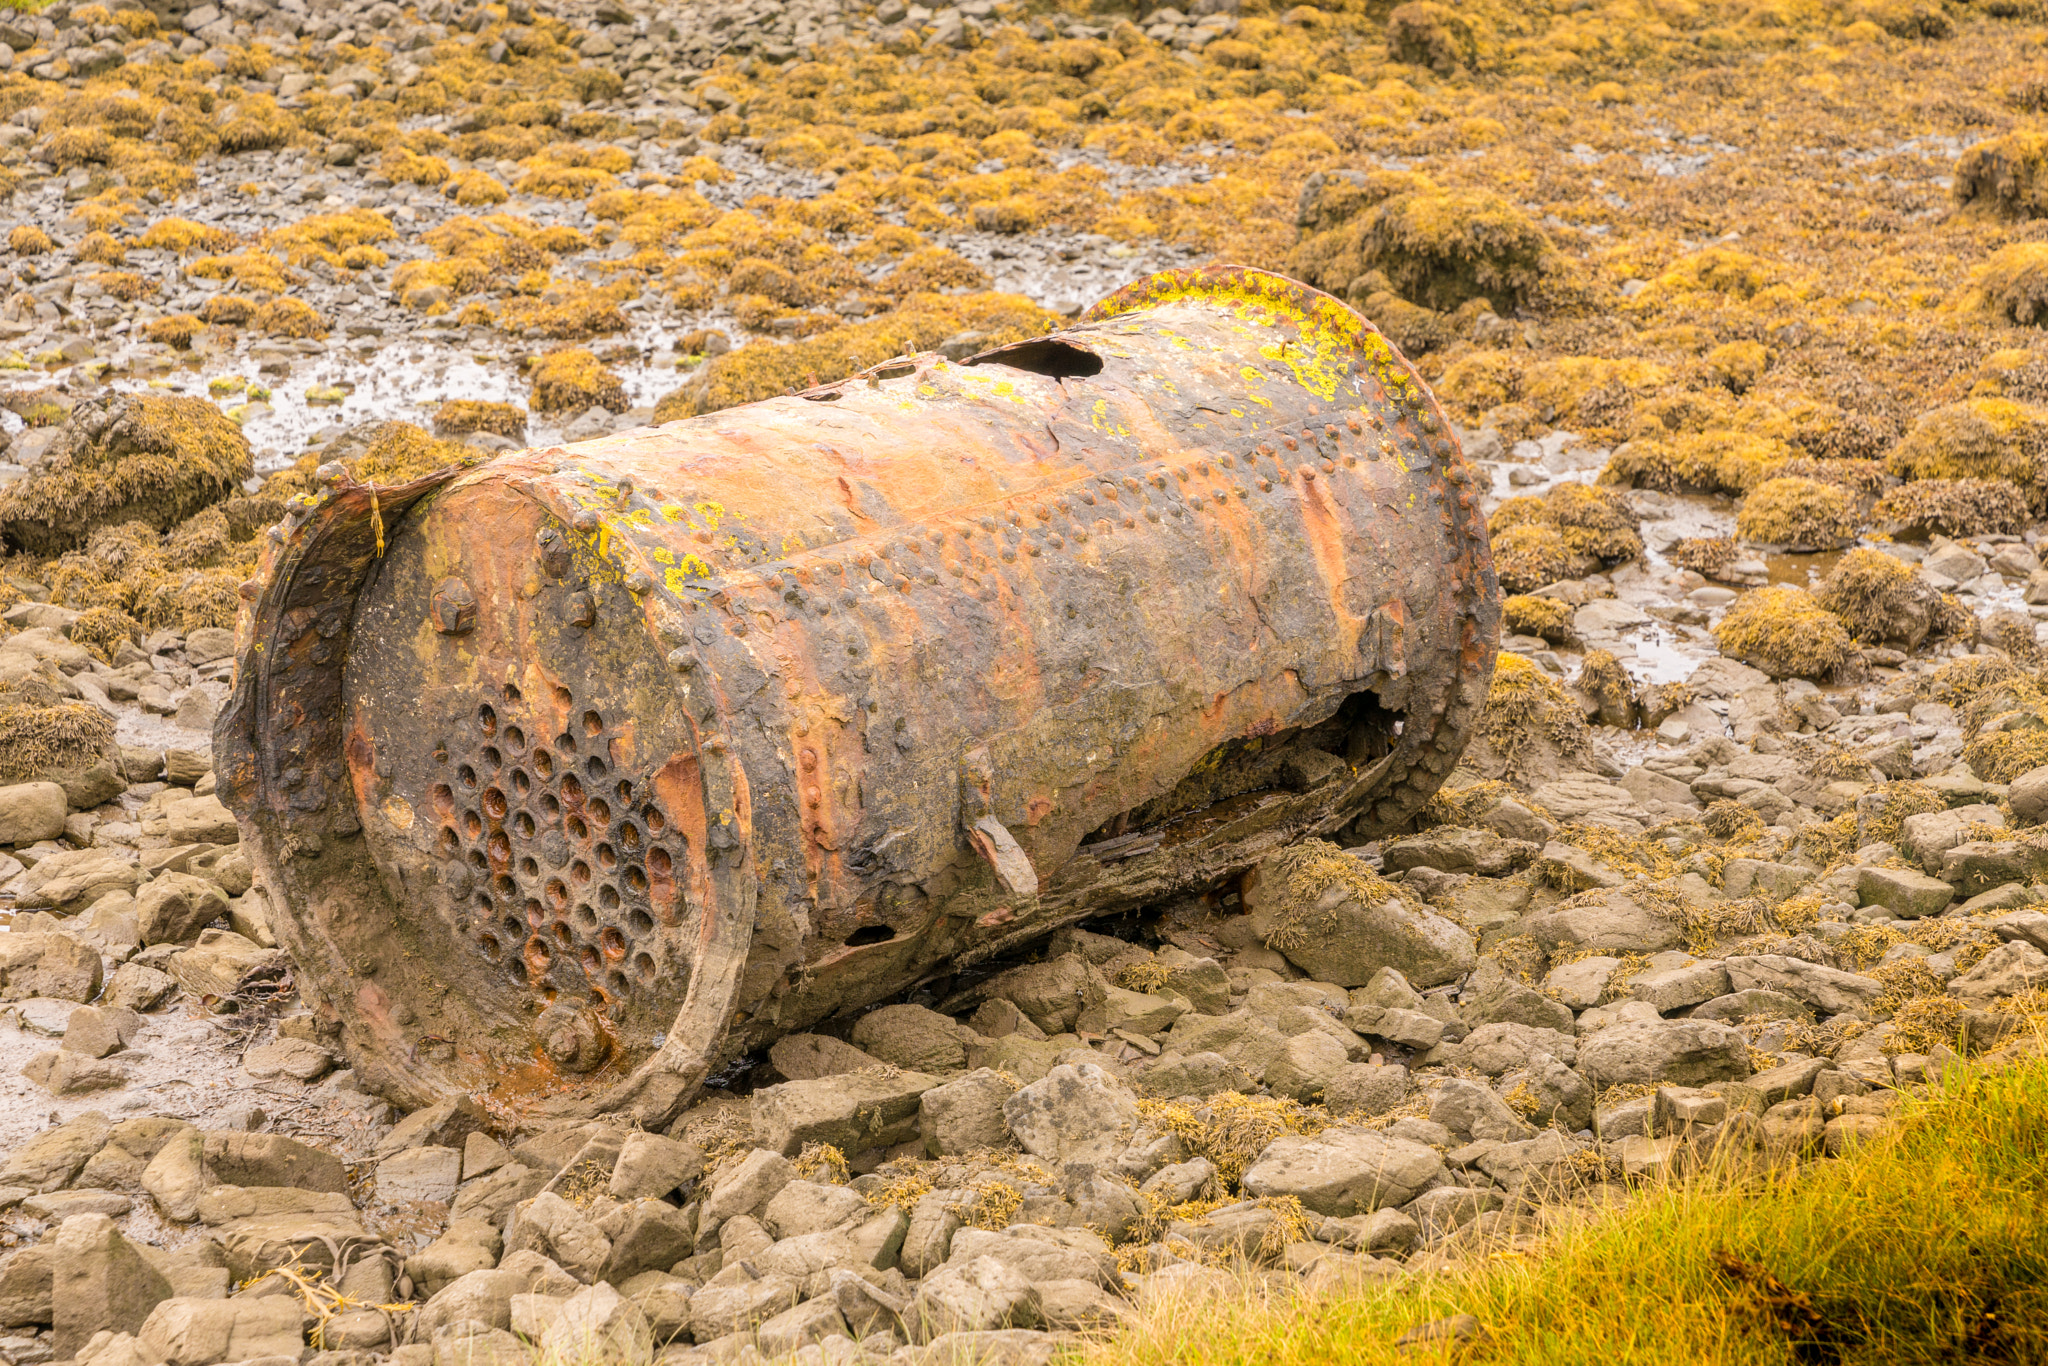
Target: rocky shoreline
1749,846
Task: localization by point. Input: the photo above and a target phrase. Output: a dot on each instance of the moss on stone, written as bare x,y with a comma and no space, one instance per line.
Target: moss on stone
1799,514
1979,438
1546,618
128,457
462,416
1952,507
1784,632
1883,601
573,380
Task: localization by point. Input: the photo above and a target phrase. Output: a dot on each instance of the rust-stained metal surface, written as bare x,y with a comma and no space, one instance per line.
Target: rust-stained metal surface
623,759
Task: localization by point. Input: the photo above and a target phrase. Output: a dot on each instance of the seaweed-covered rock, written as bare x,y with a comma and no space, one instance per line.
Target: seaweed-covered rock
1332,917
1436,247
1927,508
128,457
1884,601
1799,514
1979,438
1784,632
1532,729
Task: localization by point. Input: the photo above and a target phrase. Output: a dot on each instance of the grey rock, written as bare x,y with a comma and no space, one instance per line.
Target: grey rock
965,1114
1685,1052
972,1296
1076,1113
1344,1171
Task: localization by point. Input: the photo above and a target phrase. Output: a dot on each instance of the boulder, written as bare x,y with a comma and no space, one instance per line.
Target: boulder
2028,796
853,1113
73,879
48,964
1042,1254
1343,929
1828,990
1306,1065
650,1166
1613,924
201,820
747,1185
222,961
49,1161
98,1282
1051,994
444,1124
31,812
419,1176
1907,894
1344,1171
467,1245
1930,834
811,1207
965,1114
599,1324
1076,1113
808,1057
65,1073
1679,1052
1470,1112
717,1310
173,908
1366,1089
25,1279
2007,970
196,1332
972,1296
272,1160
913,1037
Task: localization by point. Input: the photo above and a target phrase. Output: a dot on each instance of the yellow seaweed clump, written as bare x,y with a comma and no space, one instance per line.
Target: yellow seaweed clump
1571,531
1884,601
2004,175
1979,438
1525,705
1439,248
289,317
29,240
1952,507
36,740
461,416
763,369
1532,555
1785,633
573,380
103,630
175,330
1713,461
2013,284
1799,514
1546,618
131,457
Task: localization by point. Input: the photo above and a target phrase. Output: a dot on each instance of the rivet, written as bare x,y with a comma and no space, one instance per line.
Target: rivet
639,581
453,609
333,472
583,610
584,520
1307,472
682,661
248,589
1265,484
625,486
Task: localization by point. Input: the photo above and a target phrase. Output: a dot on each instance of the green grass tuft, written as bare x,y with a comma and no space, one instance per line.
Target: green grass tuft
1929,1244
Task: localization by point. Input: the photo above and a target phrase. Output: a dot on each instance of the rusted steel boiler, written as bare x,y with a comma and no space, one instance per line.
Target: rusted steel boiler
583,771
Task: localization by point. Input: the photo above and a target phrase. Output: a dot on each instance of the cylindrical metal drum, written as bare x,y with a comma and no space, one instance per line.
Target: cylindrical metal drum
582,771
